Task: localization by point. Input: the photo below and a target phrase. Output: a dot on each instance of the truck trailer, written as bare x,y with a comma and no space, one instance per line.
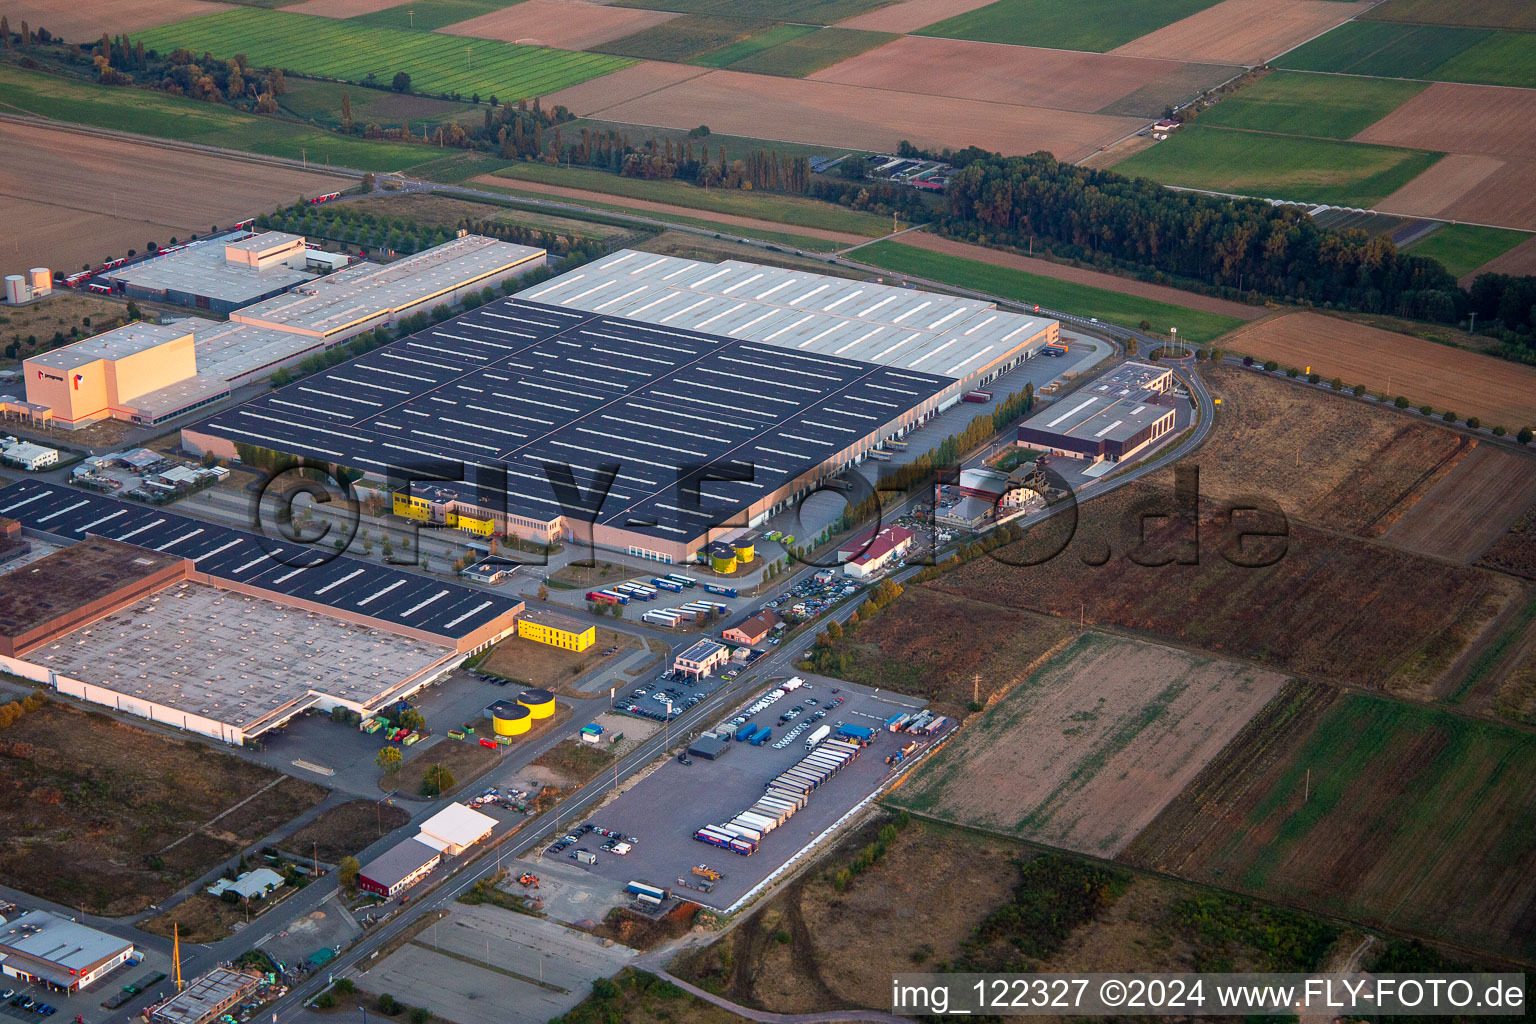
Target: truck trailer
821,733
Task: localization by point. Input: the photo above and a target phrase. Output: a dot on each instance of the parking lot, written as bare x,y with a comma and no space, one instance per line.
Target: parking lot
88,1002
662,811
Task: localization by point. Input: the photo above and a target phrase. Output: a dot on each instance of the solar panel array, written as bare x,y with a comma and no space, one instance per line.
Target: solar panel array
546,394
295,570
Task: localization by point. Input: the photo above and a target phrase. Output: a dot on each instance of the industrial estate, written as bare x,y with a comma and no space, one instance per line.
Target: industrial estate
519,512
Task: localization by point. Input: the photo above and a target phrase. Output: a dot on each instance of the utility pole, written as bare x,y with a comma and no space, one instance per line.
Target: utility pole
1307,794
976,688
317,858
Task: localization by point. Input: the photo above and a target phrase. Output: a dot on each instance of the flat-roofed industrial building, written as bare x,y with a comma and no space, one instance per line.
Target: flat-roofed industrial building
528,401
556,630
206,998
1112,417
398,867
47,949
218,274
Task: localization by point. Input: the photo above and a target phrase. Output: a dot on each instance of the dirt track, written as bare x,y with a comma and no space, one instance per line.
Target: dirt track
646,206
1077,275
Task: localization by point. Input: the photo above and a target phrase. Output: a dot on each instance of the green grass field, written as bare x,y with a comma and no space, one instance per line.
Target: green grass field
791,211
1320,106
328,48
808,54
1112,307
1397,814
683,38
1279,166
174,117
1382,48
428,15
320,101
1515,14
742,48
1097,25
1462,248
814,12
1504,58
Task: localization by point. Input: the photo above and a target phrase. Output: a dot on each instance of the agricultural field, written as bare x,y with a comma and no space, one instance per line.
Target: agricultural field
920,645
1062,79
1516,696
336,8
1438,53
679,39
1366,466
831,115
1471,187
1326,605
910,15
70,199
437,211
1471,508
320,101
1092,745
1499,392
426,15
1515,552
808,53
1317,106
1246,32
185,120
98,814
1098,25
353,52
84,23
1463,248
1476,119
564,25
1392,814
1514,14
812,12
1196,326
783,210
758,42
1279,167
1518,262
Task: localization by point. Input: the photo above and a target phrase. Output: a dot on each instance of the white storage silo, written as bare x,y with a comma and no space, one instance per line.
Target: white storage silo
17,290
42,281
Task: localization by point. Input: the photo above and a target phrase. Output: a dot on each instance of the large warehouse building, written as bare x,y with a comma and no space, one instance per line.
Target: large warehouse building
1111,418
697,431
175,619
150,373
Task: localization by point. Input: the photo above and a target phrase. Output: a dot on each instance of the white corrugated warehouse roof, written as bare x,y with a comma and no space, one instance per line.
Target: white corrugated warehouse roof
456,825
796,309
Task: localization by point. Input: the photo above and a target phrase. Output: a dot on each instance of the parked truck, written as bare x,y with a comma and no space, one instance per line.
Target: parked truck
821,733
761,736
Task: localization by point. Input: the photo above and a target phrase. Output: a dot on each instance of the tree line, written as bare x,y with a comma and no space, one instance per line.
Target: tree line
1244,249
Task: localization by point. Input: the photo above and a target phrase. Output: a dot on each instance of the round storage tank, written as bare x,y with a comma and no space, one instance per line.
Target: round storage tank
512,721
746,549
17,290
42,280
722,558
540,703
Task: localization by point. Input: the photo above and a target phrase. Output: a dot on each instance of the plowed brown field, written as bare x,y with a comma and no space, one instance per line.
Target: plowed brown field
568,26
911,15
1451,177
1468,383
1078,275
1085,753
1243,31
829,114
342,8
632,82
69,199
1451,118
1000,73
1467,512
85,22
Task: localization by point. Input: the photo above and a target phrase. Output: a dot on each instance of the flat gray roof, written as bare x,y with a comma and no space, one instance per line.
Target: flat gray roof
795,309
399,862
205,995
59,942
118,343
1100,411
232,658
330,303
1134,376
230,350
201,269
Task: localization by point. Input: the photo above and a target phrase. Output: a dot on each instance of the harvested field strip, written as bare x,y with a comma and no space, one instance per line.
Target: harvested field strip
725,226
1097,25
1468,383
567,26
1515,14
1245,32
1480,119
1092,745
815,218
82,23
1463,248
1392,814
1128,310
1466,513
805,54
1279,166
1319,106
911,15
347,50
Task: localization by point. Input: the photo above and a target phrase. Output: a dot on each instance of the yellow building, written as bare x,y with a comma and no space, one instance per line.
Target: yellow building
412,508
556,631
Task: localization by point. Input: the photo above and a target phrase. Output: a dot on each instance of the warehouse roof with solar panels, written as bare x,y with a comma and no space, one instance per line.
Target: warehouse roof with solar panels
524,385
347,586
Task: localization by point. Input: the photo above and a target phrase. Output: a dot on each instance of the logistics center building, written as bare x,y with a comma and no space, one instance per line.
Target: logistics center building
1110,418
644,432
